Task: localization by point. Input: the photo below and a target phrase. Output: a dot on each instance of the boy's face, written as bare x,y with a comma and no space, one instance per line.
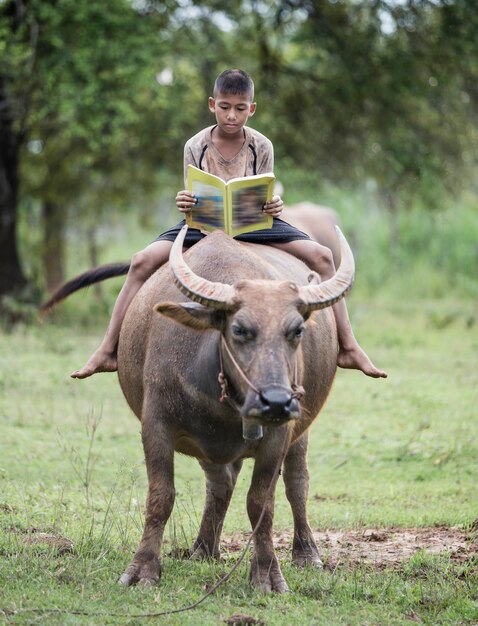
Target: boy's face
232,111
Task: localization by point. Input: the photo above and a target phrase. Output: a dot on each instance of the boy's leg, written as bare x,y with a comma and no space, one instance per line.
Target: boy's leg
143,264
319,259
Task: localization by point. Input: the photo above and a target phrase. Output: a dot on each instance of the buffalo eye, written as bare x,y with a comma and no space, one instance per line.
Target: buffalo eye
295,334
241,333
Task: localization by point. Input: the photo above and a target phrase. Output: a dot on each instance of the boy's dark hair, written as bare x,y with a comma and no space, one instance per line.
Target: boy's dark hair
234,82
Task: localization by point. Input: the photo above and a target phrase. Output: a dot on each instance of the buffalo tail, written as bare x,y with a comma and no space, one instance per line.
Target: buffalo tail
95,275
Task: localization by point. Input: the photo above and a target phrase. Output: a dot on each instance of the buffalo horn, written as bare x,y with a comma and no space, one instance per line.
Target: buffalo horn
198,289
322,295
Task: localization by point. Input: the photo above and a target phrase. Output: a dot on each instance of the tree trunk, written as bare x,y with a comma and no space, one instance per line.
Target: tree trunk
53,244
12,278
93,258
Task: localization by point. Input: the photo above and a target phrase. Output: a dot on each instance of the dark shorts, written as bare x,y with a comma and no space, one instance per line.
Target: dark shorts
281,232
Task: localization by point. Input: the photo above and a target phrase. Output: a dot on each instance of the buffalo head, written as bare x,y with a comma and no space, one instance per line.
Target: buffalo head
262,323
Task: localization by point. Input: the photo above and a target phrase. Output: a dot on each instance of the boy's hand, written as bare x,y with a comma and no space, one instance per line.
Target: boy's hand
274,207
185,201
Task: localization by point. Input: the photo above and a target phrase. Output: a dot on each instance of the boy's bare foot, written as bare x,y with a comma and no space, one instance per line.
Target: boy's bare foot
356,359
99,361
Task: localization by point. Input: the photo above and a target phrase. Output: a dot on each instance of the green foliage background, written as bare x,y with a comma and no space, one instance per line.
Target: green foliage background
366,101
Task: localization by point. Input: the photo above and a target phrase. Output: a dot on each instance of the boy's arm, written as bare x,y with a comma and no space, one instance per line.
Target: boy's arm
266,164
265,156
188,160
184,198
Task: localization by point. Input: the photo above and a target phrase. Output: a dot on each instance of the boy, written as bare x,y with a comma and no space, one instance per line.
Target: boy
229,149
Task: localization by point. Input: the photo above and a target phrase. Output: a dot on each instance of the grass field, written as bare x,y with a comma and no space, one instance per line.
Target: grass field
400,453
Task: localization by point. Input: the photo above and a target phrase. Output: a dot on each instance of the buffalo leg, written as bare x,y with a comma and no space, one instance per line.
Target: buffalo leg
145,567
220,483
265,570
296,479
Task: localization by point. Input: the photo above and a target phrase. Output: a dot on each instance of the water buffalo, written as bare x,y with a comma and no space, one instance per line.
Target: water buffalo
239,368
317,221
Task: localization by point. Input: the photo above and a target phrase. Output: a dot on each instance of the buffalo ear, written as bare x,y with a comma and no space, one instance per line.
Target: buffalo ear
191,314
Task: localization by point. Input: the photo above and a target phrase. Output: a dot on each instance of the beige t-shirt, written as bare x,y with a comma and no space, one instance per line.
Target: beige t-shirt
255,157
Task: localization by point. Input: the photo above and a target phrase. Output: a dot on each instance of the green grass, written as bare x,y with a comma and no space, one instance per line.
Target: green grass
400,452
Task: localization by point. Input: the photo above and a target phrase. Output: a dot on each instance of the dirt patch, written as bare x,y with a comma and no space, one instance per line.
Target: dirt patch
378,547
37,537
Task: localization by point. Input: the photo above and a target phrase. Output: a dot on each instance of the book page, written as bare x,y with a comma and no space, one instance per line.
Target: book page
234,207
247,198
208,214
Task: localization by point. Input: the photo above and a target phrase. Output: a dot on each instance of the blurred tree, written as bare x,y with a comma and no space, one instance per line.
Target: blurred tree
78,78
370,90
95,97
12,278
422,126
455,57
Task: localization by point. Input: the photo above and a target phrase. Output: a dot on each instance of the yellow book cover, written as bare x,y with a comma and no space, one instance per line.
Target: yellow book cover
234,207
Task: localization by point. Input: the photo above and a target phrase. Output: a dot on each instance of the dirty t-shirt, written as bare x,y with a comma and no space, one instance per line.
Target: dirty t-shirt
255,157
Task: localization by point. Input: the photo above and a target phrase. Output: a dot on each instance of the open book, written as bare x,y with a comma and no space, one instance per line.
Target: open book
234,207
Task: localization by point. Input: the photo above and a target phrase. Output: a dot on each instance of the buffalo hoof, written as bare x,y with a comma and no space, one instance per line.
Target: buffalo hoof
199,554
142,572
268,577
201,551
306,557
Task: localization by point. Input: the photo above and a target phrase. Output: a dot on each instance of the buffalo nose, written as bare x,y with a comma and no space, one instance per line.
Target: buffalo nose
277,403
